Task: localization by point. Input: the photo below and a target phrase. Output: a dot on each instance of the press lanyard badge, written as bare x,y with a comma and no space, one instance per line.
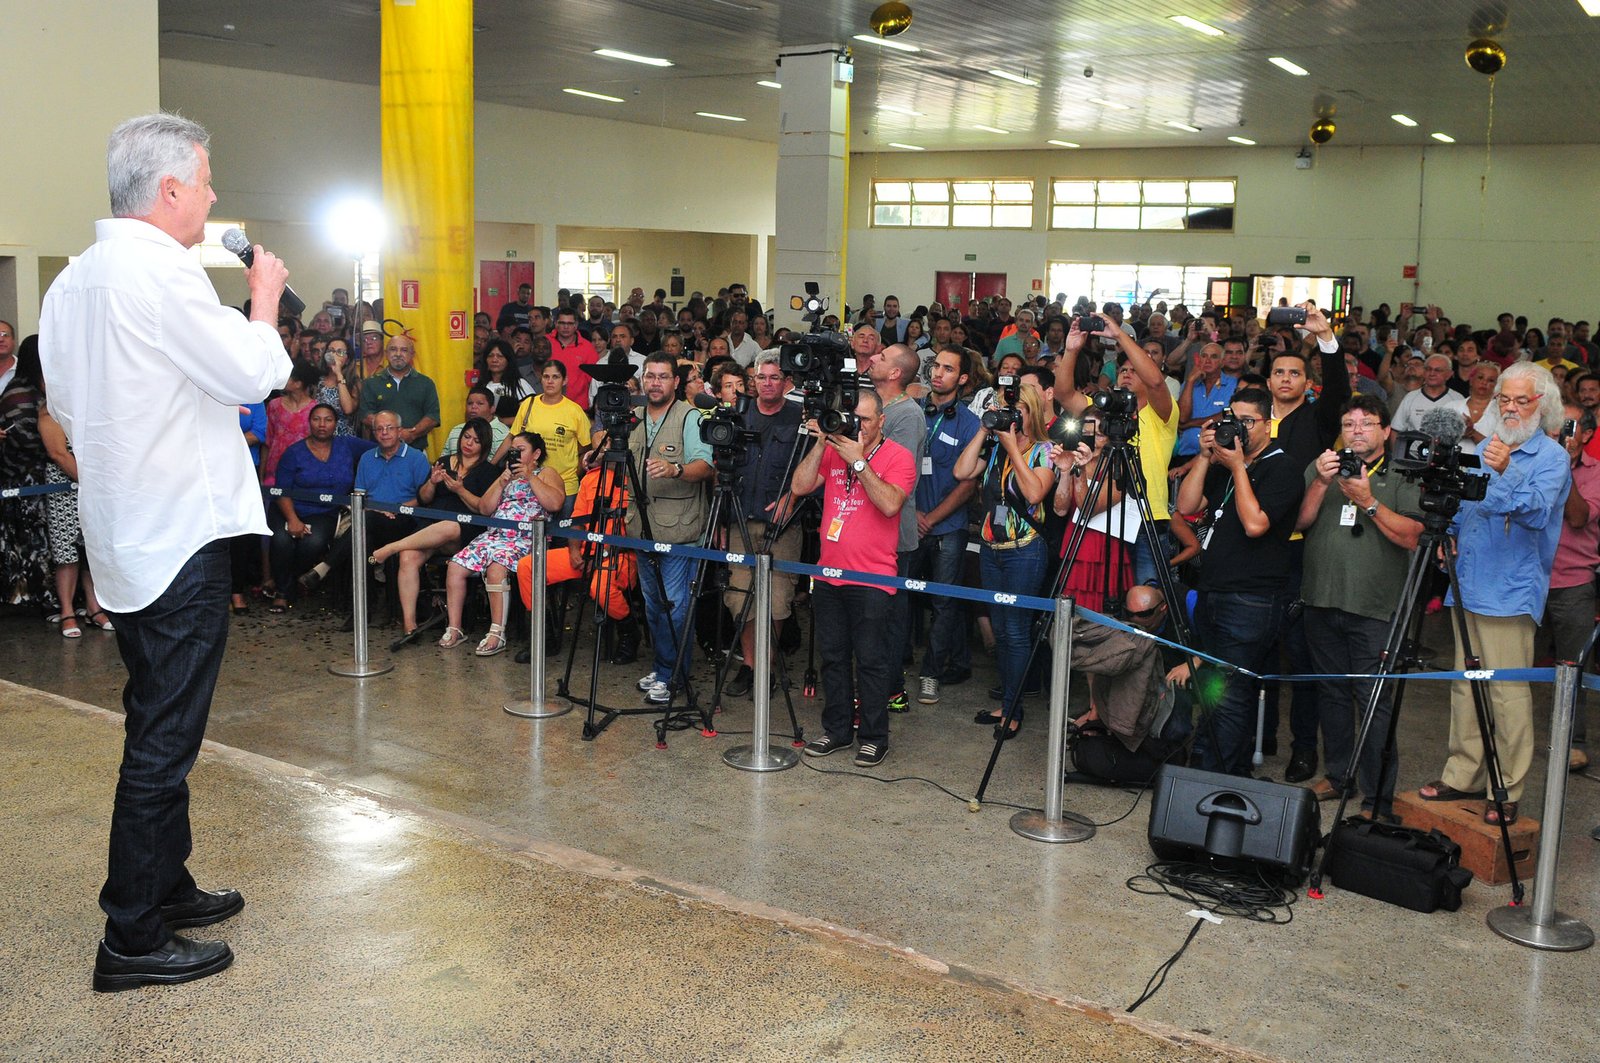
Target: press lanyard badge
927,466
835,528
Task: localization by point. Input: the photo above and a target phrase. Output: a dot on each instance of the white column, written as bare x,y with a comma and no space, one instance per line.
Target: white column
813,143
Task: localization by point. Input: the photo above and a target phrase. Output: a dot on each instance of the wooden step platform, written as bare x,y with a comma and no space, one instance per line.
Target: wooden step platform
1481,850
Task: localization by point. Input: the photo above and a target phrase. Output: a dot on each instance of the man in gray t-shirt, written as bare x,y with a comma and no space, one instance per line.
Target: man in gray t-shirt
891,371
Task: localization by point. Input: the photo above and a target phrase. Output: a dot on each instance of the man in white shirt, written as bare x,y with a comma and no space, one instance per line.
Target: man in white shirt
1434,393
147,371
743,348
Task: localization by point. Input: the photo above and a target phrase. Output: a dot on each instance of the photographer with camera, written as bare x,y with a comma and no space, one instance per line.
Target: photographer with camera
1157,420
673,463
1012,457
1505,551
773,426
866,480
1358,543
1249,490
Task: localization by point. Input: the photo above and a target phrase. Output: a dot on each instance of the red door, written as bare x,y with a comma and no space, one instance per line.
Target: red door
986,284
498,282
952,289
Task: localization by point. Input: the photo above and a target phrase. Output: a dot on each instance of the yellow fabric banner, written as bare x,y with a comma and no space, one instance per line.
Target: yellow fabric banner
427,114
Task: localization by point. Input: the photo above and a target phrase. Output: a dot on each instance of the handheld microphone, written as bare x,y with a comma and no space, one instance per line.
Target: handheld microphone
236,241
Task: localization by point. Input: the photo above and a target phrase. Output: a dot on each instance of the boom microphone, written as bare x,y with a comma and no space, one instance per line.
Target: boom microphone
1446,426
236,241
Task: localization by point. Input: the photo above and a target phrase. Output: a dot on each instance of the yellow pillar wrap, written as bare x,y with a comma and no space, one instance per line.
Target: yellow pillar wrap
427,189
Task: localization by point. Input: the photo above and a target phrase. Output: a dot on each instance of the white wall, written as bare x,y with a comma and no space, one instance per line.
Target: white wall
1525,244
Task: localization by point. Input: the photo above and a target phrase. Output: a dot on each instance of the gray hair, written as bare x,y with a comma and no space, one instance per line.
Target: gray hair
142,151
769,357
1551,407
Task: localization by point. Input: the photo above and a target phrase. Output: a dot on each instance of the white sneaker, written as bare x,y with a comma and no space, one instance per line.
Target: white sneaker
647,682
658,694
928,692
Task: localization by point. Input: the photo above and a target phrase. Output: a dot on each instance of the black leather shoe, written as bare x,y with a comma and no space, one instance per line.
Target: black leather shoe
1302,765
742,681
179,960
203,908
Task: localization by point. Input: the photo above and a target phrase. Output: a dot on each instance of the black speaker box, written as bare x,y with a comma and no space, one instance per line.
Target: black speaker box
1198,814
677,287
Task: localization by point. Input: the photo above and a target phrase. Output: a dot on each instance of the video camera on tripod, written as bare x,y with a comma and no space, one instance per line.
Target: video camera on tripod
612,409
820,363
723,430
1431,458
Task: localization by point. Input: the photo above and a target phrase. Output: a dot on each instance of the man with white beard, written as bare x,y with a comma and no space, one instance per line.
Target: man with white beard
1505,547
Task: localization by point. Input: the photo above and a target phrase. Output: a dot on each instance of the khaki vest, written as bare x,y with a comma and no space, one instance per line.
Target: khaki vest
677,507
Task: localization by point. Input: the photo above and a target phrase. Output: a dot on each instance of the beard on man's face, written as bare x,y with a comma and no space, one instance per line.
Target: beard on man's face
1516,427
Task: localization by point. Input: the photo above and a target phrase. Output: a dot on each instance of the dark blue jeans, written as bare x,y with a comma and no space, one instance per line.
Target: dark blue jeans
291,557
1018,571
173,650
1240,629
1342,642
939,559
852,625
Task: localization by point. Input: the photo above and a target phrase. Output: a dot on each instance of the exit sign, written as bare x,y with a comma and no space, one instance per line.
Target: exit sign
971,258
1302,260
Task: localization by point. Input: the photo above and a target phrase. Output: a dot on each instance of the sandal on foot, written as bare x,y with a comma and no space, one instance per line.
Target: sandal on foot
452,637
494,642
1441,792
1491,814
279,605
99,619
73,632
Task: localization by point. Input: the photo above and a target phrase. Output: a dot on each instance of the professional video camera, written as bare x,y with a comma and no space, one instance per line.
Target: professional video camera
1007,417
1431,458
1119,413
724,432
820,363
612,409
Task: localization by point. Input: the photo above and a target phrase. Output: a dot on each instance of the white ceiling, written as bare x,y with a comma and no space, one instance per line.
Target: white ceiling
1366,61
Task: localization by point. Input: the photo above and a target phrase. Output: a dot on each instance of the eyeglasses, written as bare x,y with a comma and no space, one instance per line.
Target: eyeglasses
1363,426
1145,614
1521,402
1249,422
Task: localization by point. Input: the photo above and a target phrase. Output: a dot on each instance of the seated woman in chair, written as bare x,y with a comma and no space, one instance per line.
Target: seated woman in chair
458,483
526,490
301,530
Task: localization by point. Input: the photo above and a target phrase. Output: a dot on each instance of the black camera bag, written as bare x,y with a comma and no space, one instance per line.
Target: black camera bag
1400,865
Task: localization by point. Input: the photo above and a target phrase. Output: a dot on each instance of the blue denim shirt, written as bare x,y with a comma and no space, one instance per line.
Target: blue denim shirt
949,431
1507,542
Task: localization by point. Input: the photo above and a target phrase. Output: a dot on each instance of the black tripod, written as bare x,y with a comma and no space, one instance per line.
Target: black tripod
1119,464
619,482
1439,509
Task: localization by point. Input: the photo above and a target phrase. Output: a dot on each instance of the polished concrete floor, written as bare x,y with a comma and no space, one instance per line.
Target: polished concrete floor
417,780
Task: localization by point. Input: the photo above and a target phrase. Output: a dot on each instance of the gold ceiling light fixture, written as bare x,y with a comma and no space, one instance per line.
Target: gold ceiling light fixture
891,19
1322,130
1486,56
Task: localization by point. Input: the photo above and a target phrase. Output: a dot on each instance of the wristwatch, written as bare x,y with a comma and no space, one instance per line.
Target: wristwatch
1372,510
858,465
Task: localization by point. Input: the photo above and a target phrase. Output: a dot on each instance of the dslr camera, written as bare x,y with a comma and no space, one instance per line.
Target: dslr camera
1226,430
1006,418
1350,464
1119,413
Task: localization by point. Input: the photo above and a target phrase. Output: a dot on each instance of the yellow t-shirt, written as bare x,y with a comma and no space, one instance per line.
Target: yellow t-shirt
565,428
1156,440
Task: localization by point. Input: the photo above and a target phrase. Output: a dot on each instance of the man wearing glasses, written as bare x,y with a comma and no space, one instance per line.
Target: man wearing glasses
1249,493
1505,549
1358,543
403,391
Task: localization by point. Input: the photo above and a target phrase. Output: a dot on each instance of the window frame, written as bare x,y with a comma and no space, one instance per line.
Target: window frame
1188,207
950,203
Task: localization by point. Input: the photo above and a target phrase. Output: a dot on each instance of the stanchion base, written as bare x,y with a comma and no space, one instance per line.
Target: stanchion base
1069,828
1564,934
351,670
552,708
749,758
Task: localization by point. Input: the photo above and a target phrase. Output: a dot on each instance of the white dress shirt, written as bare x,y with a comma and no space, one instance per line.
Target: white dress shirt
146,371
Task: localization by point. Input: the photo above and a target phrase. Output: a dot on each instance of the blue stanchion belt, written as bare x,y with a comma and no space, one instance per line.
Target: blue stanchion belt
40,489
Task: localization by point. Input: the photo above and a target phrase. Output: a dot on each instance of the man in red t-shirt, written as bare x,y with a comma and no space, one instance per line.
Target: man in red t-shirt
572,351
865,481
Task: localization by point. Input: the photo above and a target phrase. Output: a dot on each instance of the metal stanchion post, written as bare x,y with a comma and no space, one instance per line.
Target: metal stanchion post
760,755
359,666
1539,925
535,708
1054,825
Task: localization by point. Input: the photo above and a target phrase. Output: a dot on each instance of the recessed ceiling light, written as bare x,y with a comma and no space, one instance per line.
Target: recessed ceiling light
1186,127
1195,24
1018,78
1115,106
647,60
1246,141
908,147
886,42
1283,64
719,117
892,109
594,95
1062,143
992,129
1404,120
1590,7
770,84
1443,138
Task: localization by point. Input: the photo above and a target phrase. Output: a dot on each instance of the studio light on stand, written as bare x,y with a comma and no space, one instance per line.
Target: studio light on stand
357,227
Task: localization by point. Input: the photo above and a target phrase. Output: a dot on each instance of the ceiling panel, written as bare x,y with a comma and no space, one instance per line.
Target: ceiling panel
1366,61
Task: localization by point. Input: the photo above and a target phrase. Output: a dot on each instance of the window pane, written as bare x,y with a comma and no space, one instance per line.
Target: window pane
1119,191
1164,192
1014,216
1074,191
1211,191
893,191
1163,217
1167,278
936,216
1072,218
931,191
892,214
970,215
1215,219
972,191
1115,283
1071,278
1117,218
1013,191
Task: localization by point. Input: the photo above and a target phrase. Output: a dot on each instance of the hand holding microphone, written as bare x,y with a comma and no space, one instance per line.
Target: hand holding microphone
268,277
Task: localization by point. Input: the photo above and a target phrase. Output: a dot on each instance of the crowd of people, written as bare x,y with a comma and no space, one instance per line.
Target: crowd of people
1263,520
